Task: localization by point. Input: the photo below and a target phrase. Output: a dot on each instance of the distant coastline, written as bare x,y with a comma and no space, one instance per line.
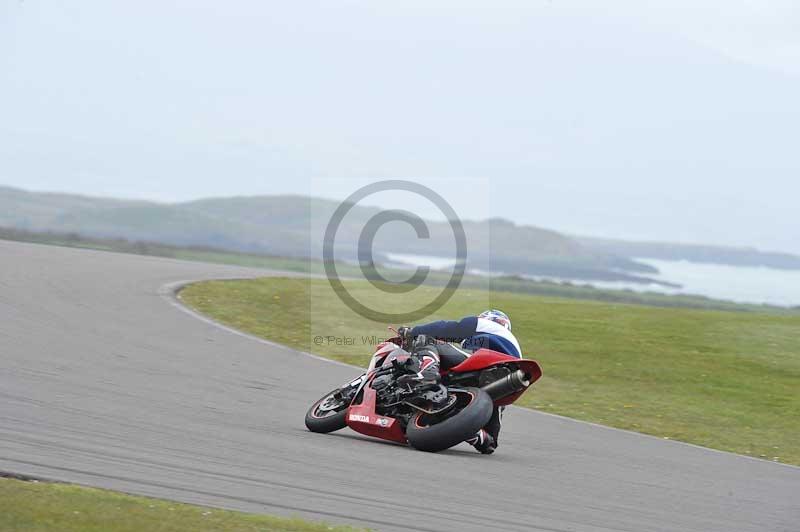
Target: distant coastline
696,253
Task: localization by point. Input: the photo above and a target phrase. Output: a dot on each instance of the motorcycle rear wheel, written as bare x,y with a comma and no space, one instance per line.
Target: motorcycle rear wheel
327,414
432,433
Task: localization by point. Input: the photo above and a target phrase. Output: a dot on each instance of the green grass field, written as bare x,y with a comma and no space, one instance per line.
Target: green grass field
727,380
44,507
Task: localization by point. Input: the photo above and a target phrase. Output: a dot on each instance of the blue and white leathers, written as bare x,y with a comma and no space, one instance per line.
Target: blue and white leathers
473,333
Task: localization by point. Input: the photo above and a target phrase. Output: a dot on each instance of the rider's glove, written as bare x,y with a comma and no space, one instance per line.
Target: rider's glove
405,335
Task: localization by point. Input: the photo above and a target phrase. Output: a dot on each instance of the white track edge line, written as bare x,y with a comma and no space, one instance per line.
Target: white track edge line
170,291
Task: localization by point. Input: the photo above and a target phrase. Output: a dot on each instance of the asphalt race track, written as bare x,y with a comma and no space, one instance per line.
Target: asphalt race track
106,381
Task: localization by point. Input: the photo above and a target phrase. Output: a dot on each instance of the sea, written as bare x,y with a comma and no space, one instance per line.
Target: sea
741,284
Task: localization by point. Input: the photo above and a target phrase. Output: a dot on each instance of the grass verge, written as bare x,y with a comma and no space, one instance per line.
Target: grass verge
726,380
45,507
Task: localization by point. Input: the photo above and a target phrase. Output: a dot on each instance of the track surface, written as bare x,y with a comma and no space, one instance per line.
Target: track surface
104,382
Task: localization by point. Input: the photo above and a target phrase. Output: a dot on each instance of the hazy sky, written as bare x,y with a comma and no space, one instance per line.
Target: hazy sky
646,120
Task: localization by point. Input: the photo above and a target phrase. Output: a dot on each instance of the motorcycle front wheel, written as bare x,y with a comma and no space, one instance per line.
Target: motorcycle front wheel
328,414
437,432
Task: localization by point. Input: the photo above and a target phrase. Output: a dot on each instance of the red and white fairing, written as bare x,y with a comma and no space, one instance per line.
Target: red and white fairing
362,417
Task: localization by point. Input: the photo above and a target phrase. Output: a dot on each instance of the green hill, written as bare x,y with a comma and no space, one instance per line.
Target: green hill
293,226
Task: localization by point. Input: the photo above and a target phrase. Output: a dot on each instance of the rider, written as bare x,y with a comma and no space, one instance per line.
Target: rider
490,329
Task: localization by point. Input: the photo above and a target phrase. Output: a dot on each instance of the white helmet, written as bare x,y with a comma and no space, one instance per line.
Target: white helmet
497,316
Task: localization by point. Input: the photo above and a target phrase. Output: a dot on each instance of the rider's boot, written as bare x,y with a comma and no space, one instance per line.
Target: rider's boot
485,441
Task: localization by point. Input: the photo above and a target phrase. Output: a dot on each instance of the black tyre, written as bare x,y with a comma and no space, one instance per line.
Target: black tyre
434,433
328,414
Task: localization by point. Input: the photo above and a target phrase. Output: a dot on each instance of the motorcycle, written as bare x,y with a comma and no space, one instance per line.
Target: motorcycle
387,402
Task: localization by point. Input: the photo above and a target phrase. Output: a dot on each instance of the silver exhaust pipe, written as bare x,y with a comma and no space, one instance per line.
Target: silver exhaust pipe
508,385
